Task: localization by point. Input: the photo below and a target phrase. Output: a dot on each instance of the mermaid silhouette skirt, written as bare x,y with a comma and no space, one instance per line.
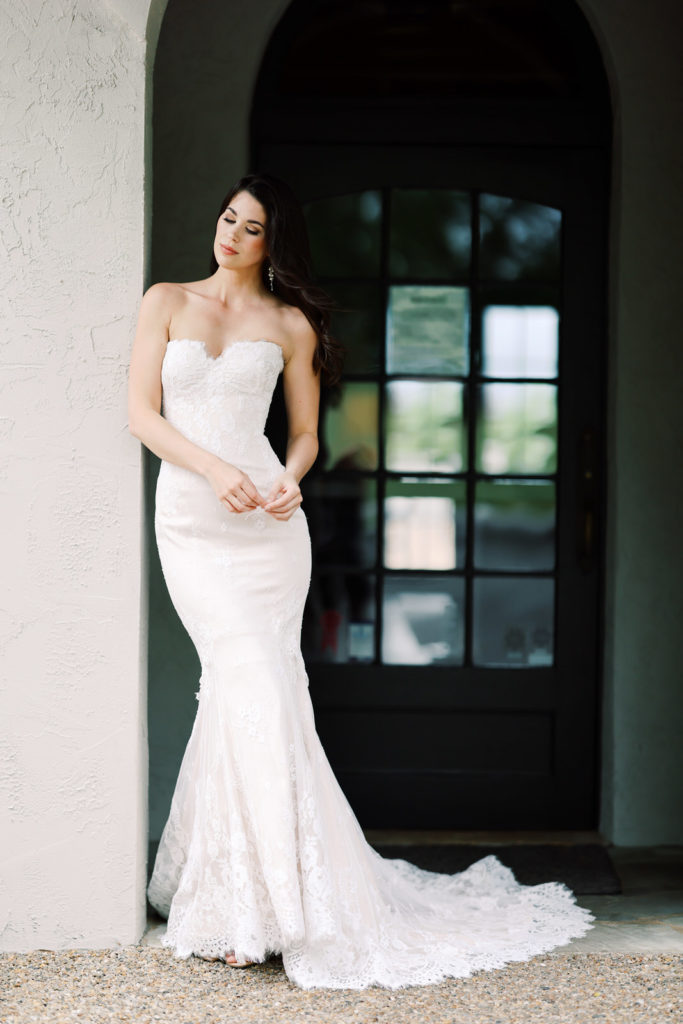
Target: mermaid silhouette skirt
261,852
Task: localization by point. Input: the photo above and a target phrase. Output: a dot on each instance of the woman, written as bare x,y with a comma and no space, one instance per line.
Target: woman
261,852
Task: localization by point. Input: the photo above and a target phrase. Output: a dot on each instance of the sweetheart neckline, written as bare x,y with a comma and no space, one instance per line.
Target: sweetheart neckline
240,341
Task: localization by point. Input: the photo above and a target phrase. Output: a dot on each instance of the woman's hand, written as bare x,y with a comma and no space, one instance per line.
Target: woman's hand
233,488
285,496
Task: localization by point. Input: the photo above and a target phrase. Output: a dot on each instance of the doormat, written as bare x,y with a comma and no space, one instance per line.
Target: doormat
586,869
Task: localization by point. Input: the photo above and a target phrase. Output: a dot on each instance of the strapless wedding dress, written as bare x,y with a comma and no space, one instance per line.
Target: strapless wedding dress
261,852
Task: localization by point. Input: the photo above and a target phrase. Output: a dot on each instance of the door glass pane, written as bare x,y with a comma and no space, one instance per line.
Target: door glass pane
339,619
430,235
517,428
514,524
518,240
342,517
424,426
423,620
424,524
344,232
358,324
427,329
513,621
349,435
519,341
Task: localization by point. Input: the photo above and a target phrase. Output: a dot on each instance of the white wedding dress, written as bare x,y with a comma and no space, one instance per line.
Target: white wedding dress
261,852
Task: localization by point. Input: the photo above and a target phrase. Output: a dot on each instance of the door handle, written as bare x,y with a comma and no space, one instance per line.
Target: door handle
587,500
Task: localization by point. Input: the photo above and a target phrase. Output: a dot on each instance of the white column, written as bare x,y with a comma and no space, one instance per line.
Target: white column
73,748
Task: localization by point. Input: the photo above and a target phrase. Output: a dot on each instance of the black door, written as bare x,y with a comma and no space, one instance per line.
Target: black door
452,632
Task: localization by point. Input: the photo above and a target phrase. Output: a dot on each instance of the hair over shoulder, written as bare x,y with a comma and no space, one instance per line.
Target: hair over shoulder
290,255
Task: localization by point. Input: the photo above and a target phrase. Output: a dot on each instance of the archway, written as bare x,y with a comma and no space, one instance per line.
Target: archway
549,128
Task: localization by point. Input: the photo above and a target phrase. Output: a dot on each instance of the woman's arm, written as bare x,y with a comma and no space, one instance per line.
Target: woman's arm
231,486
144,385
302,401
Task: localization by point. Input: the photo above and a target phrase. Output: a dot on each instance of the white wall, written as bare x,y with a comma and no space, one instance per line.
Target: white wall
73,717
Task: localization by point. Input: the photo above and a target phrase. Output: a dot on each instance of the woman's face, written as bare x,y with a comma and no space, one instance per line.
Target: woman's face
241,233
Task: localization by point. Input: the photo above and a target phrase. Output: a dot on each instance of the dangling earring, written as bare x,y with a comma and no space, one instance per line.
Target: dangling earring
271,276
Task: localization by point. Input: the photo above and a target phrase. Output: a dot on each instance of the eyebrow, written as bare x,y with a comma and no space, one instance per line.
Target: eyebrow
252,221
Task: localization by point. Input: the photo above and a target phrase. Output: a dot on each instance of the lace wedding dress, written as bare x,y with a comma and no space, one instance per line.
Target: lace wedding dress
261,852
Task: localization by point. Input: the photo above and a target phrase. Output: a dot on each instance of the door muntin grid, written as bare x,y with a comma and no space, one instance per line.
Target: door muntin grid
433,504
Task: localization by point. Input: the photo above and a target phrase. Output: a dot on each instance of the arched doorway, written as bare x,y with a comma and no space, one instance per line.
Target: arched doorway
454,164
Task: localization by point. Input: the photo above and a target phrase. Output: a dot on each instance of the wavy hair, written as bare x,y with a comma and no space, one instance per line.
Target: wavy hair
289,253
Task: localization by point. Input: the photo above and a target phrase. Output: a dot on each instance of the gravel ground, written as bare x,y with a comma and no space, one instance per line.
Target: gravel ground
141,985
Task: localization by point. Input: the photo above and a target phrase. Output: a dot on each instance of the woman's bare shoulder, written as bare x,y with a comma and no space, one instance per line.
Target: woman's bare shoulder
169,298
171,291
298,328
164,295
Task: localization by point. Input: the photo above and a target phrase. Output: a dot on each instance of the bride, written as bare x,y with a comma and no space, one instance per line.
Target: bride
262,853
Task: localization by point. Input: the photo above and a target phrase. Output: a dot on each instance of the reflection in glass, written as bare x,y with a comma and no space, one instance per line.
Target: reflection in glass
423,620
424,523
513,621
518,240
514,524
427,329
430,233
344,232
517,428
342,518
520,341
339,618
349,434
424,426
358,324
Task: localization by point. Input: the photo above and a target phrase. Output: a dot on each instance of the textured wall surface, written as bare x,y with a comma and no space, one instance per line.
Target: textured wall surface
72,718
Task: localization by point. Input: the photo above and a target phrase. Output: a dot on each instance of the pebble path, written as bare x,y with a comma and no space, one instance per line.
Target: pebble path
143,985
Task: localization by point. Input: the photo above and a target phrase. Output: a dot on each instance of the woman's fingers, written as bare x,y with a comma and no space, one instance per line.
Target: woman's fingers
283,500
249,491
234,488
243,497
286,510
275,502
232,503
248,498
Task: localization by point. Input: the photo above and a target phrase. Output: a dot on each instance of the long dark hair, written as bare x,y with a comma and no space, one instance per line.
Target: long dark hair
290,255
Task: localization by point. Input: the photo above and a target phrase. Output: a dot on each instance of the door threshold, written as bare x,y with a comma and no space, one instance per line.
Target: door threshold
492,837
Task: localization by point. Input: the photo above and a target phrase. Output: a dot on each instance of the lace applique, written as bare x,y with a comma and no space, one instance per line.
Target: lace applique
249,718
224,558
261,852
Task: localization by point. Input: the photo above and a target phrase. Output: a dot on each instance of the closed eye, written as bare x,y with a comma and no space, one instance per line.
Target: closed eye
250,231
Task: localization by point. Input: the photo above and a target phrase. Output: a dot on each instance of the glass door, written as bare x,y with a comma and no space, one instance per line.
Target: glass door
452,630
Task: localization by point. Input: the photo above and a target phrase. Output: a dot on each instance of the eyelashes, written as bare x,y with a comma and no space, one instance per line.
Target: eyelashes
250,231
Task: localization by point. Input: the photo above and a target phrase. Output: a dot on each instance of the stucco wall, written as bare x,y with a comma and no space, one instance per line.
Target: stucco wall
73,758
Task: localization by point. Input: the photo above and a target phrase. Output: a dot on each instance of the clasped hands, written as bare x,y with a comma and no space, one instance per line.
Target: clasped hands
238,493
